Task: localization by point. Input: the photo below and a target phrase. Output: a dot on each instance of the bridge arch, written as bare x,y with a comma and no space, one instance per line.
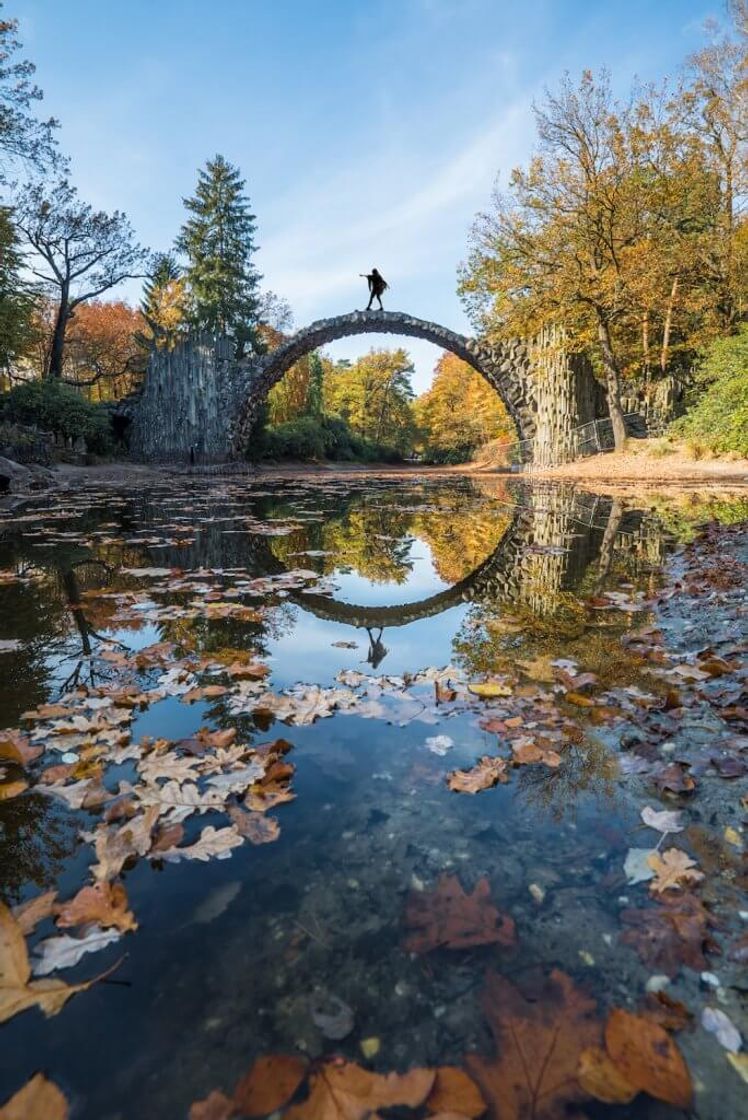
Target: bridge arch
499,573
506,366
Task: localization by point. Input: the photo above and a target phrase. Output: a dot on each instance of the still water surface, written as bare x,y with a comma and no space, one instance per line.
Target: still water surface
247,955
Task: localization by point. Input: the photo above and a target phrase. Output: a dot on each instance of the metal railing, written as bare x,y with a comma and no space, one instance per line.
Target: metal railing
587,439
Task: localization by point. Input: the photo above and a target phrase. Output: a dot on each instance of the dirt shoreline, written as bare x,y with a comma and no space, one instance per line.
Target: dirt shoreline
607,473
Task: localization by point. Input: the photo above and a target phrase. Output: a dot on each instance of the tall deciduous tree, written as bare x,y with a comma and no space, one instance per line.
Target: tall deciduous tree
460,412
78,253
218,240
603,233
714,103
22,135
374,396
103,355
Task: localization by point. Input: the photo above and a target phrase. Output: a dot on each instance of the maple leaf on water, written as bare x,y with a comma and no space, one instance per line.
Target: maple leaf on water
639,1056
340,1090
672,869
269,1084
539,1042
449,918
39,1099
485,774
675,932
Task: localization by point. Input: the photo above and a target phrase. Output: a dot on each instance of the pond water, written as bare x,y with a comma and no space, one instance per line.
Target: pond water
372,604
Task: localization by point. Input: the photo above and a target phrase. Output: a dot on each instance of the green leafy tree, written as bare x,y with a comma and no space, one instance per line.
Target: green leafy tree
719,416
315,387
16,298
218,242
374,396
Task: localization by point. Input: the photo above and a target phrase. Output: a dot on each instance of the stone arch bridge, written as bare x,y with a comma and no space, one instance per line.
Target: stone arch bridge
199,404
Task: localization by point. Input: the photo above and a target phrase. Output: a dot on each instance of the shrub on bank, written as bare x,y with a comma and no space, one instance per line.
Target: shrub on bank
325,437
57,408
717,420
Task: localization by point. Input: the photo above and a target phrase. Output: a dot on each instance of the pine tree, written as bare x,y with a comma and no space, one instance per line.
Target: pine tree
218,241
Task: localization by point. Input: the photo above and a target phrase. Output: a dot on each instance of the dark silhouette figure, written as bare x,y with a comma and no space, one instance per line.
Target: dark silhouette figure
377,650
377,286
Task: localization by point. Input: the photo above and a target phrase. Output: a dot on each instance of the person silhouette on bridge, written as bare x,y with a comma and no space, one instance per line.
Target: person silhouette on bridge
377,286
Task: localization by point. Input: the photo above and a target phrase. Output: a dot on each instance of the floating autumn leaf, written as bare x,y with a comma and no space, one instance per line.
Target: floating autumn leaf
663,821
65,952
341,1089
29,914
485,774
216,1106
16,747
206,692
456,1094
213,843
449,918
600,1077
671,934
39,1099
255,827
648,1058
103,903
270,1084
12,787
674,778
668,1013
539,1043
489,690
17,991
528,752
672,869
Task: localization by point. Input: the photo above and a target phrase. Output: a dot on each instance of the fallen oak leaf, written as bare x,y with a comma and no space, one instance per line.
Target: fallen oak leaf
255,827
486,773
39,1099
341,1090
17,991
104,903
527,753
213,843
449,918
17,747
64,952
29,914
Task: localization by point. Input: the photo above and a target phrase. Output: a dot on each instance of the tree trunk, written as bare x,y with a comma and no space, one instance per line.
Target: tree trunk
612,382
666,330
57,349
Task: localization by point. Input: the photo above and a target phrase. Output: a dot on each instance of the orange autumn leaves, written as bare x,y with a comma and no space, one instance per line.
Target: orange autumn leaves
341,1090
551,1053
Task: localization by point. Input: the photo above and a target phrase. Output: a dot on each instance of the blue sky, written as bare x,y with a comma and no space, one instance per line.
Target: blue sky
370,133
